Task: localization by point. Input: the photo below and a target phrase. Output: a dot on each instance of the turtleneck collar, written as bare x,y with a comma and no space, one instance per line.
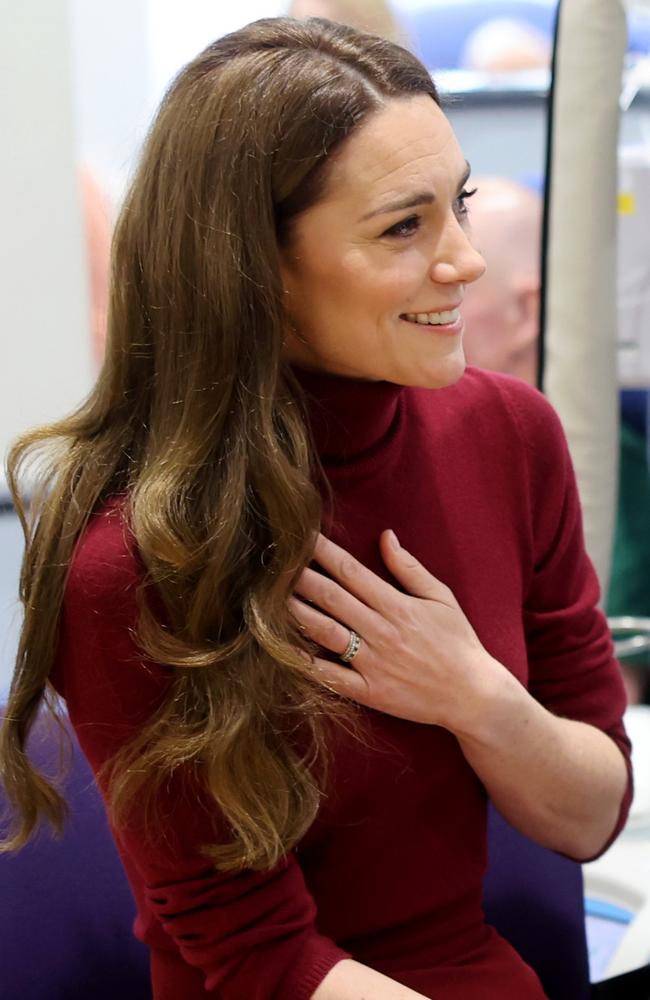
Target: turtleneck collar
349,417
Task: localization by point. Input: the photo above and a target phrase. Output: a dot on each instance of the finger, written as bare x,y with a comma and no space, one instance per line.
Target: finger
356,578
413,576
343,680
333,598
325,631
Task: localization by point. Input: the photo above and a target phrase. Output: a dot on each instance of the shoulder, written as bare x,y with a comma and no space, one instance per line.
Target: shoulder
492,401
495,391
105,567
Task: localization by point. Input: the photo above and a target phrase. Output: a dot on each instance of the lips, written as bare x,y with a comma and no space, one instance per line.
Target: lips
444,318
439,309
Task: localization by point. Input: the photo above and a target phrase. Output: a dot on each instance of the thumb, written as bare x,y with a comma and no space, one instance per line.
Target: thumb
417,580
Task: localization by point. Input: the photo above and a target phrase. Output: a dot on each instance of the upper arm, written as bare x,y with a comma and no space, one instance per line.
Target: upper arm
250,933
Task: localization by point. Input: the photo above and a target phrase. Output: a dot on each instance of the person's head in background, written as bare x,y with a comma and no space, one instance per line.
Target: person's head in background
501,310
373,16
97,226
506,45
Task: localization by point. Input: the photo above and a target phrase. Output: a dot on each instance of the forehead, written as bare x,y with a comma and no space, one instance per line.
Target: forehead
408,142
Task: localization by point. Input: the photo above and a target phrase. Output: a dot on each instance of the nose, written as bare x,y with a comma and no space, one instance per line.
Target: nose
457,260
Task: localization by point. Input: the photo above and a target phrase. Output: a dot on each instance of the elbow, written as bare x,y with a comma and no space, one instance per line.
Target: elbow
592,837
583,850
588,841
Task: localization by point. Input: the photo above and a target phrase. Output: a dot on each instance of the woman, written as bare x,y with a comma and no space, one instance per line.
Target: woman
284,326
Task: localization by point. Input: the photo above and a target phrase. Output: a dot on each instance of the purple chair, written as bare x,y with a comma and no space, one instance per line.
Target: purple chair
534,897
67,910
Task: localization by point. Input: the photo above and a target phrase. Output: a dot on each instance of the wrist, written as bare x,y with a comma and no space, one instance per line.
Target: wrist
495,699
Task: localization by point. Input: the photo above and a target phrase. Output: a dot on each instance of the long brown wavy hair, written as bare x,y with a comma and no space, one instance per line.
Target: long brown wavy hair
197,418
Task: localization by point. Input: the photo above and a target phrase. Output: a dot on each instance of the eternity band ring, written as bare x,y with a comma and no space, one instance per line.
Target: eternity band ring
353,647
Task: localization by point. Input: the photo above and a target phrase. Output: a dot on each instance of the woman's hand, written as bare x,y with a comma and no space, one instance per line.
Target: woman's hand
419,659
558,781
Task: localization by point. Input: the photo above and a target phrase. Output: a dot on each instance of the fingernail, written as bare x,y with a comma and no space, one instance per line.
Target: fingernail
392,540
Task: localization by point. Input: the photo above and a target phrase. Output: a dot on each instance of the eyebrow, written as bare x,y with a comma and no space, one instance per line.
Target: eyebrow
411,200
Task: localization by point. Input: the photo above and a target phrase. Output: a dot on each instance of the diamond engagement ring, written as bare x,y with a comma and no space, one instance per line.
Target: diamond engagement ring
353,647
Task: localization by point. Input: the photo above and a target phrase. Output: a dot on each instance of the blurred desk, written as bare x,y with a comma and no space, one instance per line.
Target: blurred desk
617,885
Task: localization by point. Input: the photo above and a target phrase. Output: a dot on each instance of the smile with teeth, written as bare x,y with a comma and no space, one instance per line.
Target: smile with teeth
434,319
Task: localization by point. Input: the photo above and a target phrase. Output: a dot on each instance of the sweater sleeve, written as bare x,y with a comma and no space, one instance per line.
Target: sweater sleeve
572,669
251,934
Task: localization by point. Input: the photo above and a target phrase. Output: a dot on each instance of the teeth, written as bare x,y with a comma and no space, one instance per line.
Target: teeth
434,319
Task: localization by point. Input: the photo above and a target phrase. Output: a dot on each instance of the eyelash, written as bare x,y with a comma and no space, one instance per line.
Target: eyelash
398,230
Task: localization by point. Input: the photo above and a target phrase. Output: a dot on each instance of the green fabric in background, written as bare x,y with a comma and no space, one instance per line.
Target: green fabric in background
629,589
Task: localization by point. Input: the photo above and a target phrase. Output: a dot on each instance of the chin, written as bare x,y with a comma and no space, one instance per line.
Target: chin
443,373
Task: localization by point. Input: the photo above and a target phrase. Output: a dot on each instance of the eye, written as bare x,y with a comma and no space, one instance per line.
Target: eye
462,209
404,228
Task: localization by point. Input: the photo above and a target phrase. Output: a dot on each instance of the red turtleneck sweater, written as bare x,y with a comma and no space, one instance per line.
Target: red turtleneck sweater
476,481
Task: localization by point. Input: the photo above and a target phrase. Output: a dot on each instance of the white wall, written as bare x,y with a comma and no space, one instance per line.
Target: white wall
81,80
44,347
111,93
177,32
124,54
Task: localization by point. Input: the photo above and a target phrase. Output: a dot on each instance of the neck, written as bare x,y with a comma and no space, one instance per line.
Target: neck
349,417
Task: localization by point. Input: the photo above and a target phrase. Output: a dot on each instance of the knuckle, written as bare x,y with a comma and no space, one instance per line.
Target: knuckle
331,629
327,594
409,618
348,567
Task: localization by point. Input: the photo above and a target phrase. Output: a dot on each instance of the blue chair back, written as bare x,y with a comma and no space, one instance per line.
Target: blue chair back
440,30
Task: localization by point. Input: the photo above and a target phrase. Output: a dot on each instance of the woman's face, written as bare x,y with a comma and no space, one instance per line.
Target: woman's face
388,243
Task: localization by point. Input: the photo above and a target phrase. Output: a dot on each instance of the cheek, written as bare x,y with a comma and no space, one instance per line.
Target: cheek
363,281
331,275
390,281
409,271
350,284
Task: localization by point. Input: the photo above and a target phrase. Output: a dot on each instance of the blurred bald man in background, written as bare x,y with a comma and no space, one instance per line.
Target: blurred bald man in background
501,311
506,45
375,16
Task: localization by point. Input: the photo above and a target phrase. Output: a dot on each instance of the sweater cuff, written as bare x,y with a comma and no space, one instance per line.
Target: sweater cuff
317,957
